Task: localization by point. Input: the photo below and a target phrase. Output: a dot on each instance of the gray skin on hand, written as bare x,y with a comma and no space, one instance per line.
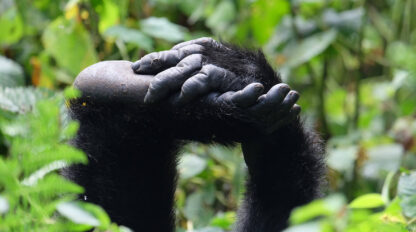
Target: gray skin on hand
185,72
113,81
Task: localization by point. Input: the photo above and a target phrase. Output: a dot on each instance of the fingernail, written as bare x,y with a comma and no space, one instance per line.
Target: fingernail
258,88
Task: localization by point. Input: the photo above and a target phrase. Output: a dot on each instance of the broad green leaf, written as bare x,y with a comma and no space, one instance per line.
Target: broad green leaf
21,99
191,165
11,25
11,74
302,51
109,13
74,212
162,28
371,200
266,15
129,35
70,44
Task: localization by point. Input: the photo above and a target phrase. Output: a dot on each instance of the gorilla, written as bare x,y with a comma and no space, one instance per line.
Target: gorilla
134,118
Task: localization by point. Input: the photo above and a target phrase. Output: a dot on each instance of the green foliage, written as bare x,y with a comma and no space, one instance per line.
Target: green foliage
354,62
32,193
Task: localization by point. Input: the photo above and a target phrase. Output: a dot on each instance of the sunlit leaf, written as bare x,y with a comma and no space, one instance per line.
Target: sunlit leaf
191,165
109,13
11,25
372,200
267,14
77,214
224,220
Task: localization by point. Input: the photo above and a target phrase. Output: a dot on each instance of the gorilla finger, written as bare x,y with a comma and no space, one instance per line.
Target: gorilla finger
157,61
172,79
290,100
267,102
276,94
194,87
247,96
293,114
204,41
209,78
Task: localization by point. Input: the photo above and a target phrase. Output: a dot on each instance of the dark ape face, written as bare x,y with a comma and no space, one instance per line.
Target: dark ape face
111,81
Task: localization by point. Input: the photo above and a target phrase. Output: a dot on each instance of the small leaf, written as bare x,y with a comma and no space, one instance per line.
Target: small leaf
191,165
11,25
298,53
109,13
70,44
162,28
71,93
77,214
11,74
372,200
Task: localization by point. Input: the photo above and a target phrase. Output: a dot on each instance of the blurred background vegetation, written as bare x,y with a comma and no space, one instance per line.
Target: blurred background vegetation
354,63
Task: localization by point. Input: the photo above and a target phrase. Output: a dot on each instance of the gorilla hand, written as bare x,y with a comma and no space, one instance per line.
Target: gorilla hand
189,71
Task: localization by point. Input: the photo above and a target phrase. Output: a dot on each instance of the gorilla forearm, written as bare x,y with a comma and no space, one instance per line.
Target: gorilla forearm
285,171
129,173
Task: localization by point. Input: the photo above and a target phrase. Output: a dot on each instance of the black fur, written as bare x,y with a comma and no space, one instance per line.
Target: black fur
132,152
